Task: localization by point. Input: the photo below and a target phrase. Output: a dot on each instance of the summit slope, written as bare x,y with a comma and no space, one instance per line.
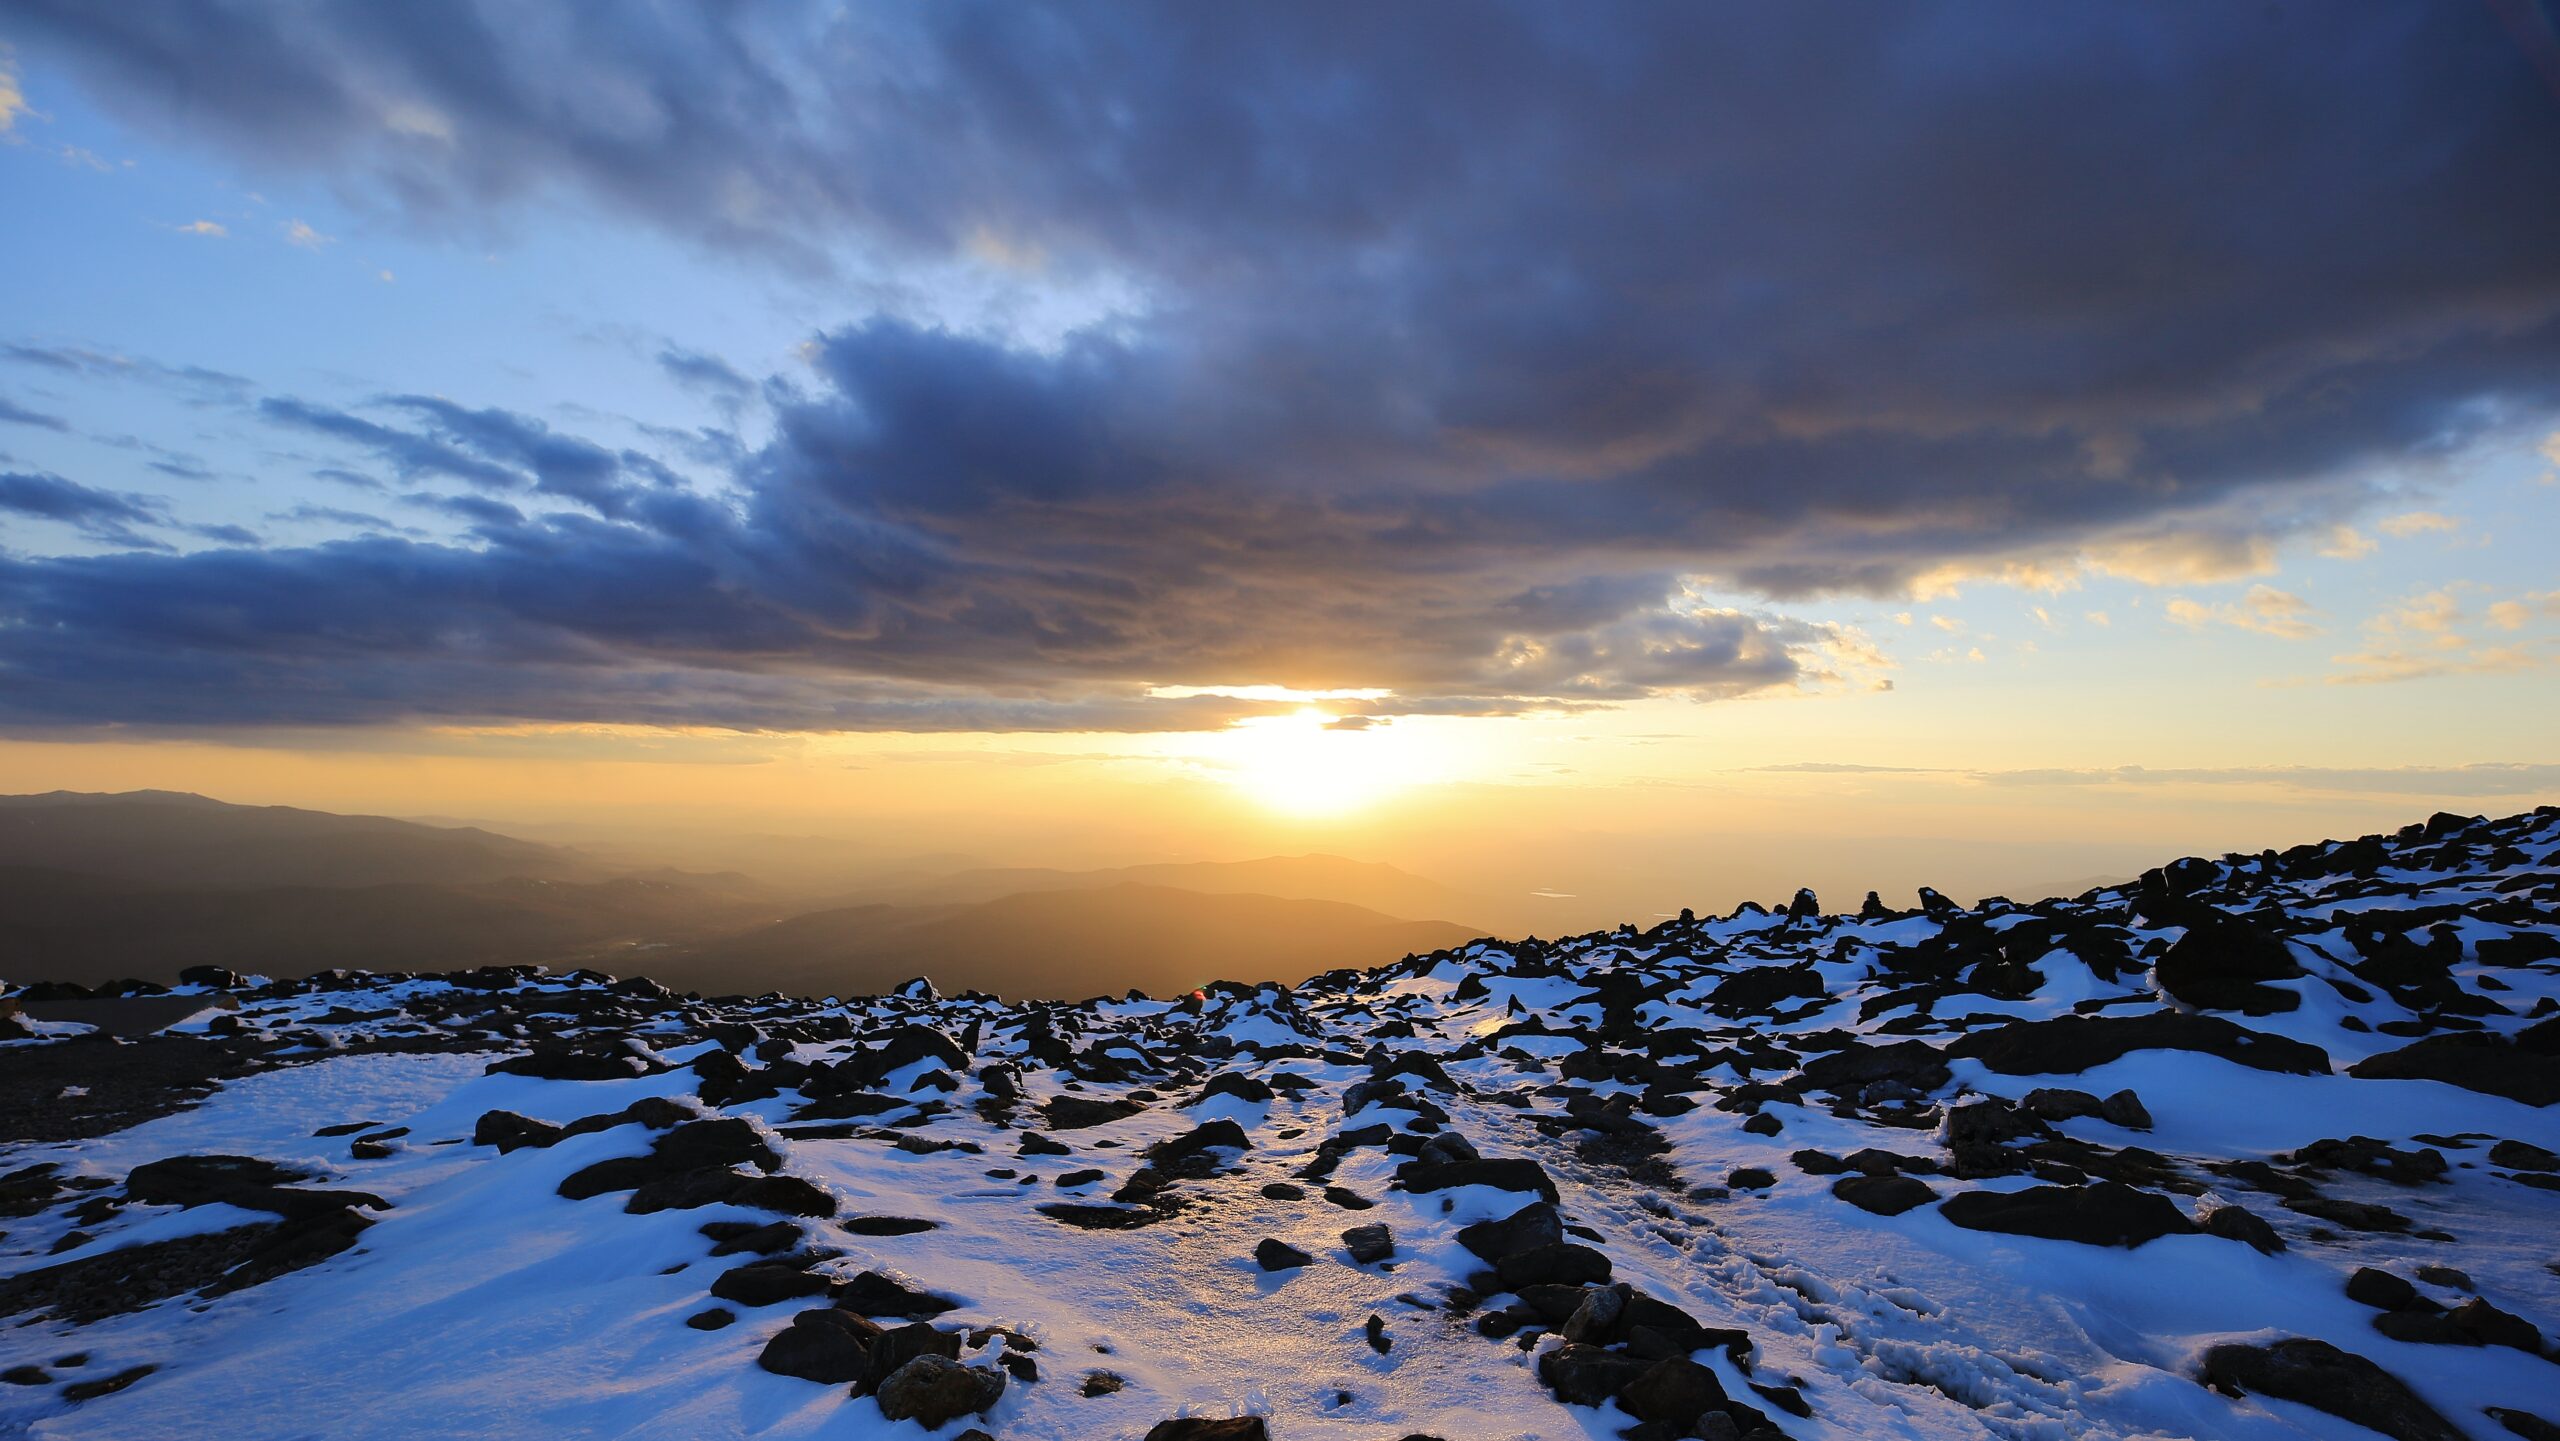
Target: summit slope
2255,1148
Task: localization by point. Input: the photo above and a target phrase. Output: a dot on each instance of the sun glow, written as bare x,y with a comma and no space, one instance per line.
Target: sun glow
1310,763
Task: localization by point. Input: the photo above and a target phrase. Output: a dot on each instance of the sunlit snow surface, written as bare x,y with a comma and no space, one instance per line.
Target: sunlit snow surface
481,1303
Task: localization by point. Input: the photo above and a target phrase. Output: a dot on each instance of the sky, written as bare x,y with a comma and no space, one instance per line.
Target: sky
1620,453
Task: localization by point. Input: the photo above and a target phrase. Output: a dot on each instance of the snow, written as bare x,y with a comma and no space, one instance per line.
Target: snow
483,1304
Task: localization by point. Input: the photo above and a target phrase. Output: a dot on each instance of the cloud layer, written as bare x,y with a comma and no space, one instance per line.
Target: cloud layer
1464,347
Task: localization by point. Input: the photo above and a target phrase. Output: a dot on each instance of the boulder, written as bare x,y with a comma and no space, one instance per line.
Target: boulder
873,1294
1201,1428
2316,1374
1587,1375
1506,1174
1883,1195
510,1132
1278,1255
2473,1060
2234,1223
1536,1224
931,1390
1675,1391
1369,1244
2105,1213
2224,963
1565,1263
2071,1044
824,1344
764,1283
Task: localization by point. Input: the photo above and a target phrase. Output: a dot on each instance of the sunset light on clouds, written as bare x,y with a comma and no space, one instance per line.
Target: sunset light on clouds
787,453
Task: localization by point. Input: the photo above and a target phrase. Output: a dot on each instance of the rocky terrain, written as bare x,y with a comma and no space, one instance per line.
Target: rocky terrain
2261,1147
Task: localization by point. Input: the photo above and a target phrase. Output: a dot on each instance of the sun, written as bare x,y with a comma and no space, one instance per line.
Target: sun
1307,764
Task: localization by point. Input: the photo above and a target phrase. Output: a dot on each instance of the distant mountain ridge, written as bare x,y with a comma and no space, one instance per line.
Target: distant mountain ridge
143,884
179,840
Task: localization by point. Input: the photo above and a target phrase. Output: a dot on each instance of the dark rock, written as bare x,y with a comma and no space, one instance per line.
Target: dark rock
2430,1326
1750,1178
714,1145
886,1225
1761,988
2473,1060
510,1132
2070,1044
1536,1224
105,1385
1675,1391
1236,1084
1196,1144
2050,1103
2316,1374
1588,1375
1277,1255
1883,1195
2523,1423
787,1195
2223,963
1564,1263
205,1180
1077,1113
714,1319
764,1283
824,1344
1100,1217
2370,1157
1601,1316
873,1294
733,1237
2233,1223
1369,1244
2493,1327
1915,1064
2105,1213
1507,1174
2523,1156
2380,1290
2354,1215
1197,1428
579,1061
893,1349
931,1390
2125,1109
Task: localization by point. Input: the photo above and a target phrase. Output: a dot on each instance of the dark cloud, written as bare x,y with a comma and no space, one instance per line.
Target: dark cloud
14,414
100,515
198,382
708,374
307,514
1470,339
409,454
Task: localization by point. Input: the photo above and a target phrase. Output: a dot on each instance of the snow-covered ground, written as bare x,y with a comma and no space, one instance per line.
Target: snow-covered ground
2015,1171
